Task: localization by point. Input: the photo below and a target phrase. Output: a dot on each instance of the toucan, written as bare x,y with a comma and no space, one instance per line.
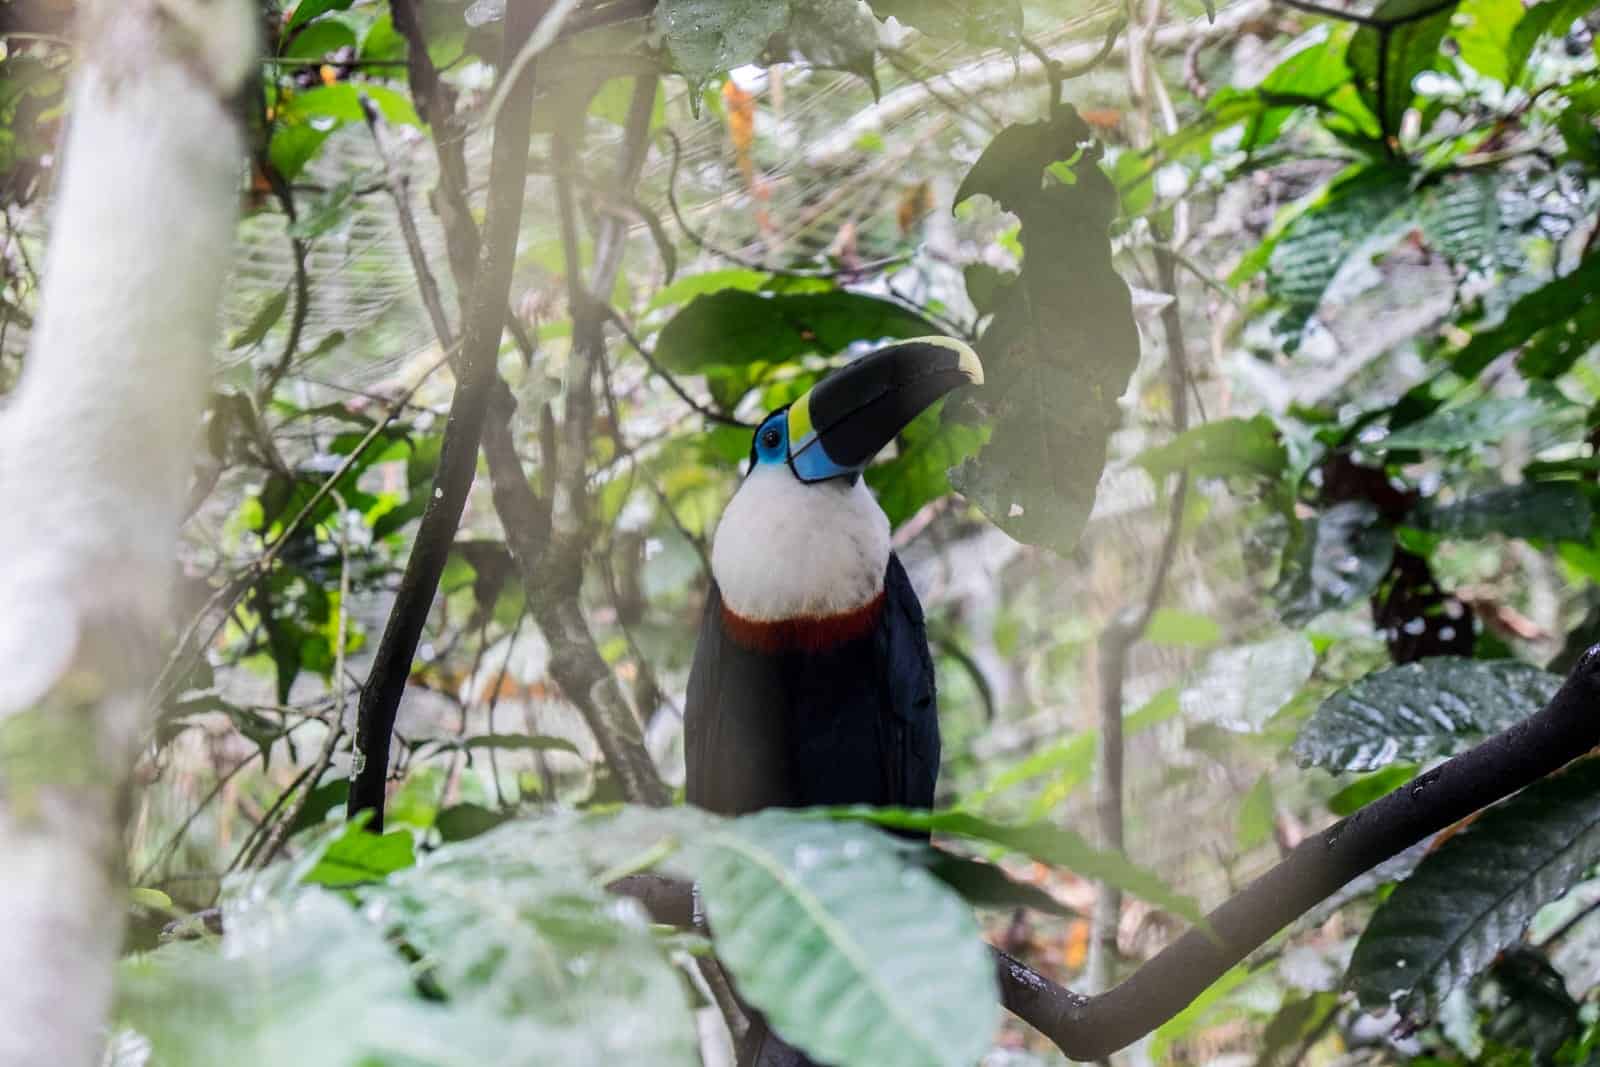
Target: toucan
812,683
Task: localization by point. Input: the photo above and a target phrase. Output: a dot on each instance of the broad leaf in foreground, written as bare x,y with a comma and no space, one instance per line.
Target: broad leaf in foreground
854,957
1549,511
1433,707
543,945
1476,894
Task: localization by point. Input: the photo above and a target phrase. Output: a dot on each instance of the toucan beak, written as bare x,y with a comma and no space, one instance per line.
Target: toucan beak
847,418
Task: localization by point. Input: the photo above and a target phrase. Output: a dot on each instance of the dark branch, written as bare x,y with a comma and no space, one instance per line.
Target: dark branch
458,458
1370,21
1087,1028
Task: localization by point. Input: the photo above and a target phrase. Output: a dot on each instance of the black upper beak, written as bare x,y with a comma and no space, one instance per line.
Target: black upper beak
849,416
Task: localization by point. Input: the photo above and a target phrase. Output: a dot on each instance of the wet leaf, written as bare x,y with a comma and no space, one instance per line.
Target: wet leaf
1475,894
1340,558
1548,511
978,22
1434,707
854,957
1240,688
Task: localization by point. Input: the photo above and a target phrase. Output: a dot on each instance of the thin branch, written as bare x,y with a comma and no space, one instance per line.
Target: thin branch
1370,21
1089,1028
280,830
475,382
708,413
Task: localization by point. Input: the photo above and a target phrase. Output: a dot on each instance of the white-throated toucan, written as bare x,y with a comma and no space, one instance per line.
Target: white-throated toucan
812,682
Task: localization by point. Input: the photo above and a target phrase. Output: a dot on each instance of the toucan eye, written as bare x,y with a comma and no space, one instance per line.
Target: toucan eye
769,437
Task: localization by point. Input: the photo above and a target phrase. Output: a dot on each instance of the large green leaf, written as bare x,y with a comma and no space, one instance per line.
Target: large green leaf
313,984
982,22
854,957
1475,894
732,327
306,10
1339,558
1054,845
1549,511
1460,217
1479,422
918,473
1224,448
1420,710
1061,345
1548,310
1483,36
1412,47
520,939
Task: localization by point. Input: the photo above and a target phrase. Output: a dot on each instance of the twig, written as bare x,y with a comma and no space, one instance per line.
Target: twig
280,830
1088,1028
494,702
708,413
183,828
475,381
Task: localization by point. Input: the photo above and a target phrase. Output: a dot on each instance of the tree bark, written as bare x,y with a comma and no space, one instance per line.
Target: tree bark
96,447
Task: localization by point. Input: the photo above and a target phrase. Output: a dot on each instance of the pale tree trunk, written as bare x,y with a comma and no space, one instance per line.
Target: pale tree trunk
95,451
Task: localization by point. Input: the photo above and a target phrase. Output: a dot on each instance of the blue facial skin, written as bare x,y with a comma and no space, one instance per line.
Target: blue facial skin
812,464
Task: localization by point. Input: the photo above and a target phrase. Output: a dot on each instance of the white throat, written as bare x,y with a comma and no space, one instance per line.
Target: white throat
786,549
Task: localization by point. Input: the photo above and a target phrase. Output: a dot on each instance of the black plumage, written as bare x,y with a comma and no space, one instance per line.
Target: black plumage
856,723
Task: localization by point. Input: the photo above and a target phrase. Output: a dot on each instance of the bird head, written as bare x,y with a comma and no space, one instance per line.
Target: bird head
837,426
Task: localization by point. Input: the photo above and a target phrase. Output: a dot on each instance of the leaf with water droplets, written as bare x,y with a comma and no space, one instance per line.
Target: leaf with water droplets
1433,707
854,957
1476,893
1339,558
1547,511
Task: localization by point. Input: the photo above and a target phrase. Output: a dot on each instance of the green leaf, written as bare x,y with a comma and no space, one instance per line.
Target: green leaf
1258,815
1547,311
711,281
306,10
304,120
1364,790
731,327
1048,844
980,22
1478,422
1412,46
1475,894
918,473
462,822
382,43
1182,628
1340,557
841,34
1299,1020
358,856
515,938
1061,345
1310,250
1226,448
1417,711
1483,34
314,985
1550,16
706,37
984,885
320,40
1460,217
854,957
1240,688
1547,511
262,322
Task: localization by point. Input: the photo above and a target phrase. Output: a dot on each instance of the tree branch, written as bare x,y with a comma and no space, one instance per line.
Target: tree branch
1088,1028
475,381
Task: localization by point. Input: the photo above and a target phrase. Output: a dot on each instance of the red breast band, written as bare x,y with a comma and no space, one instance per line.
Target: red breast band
808,633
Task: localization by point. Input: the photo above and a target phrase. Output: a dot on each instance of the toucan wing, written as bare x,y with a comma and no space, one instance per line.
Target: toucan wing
913,698
735,754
